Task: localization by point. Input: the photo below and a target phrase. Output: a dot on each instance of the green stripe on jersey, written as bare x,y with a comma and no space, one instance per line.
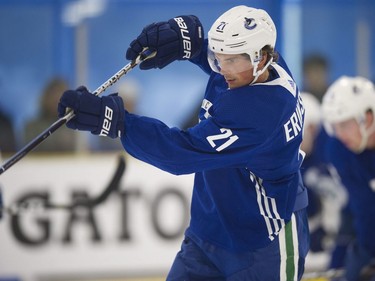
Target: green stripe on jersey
290,267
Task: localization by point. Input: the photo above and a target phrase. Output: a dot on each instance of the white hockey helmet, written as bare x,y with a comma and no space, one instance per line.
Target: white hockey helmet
242,30
347,98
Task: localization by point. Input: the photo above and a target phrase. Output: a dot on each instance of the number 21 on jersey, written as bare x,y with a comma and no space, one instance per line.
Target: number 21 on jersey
226,134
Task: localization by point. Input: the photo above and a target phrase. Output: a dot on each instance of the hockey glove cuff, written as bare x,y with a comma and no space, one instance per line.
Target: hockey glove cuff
102,116
180,38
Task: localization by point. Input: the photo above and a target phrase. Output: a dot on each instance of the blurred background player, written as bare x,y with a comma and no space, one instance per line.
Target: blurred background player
7,134
348,111
315,75
61,140
326,195
248,211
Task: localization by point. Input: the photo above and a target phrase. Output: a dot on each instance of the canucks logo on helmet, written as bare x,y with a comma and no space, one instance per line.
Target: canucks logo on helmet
250,23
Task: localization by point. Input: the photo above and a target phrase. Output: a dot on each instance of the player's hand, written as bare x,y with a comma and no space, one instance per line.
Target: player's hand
180,38
100,115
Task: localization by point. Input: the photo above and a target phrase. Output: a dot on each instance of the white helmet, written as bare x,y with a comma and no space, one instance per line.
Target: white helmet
347,98
242,30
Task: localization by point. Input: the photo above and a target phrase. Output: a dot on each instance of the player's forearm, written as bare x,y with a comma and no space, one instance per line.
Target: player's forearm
201,60
170,149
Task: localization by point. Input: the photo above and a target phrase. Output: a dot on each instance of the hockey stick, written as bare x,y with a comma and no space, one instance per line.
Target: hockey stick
112,186
146,54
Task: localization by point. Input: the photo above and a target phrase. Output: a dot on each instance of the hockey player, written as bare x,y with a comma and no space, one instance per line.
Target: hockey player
348,110
313,170
248,211
326,195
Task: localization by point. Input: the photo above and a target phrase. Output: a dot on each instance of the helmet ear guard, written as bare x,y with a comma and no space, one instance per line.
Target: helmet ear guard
243,30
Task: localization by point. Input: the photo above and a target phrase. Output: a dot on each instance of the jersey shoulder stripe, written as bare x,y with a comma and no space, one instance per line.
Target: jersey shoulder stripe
284,80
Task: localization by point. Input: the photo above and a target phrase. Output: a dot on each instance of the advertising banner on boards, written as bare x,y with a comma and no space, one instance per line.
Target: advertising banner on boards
136,231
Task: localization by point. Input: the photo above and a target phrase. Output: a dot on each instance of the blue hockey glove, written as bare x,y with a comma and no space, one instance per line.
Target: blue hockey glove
180,38
102,116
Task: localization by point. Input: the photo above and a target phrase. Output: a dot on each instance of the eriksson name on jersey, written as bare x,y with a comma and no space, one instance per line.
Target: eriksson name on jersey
294,125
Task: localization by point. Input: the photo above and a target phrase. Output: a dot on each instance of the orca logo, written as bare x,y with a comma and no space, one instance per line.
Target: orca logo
250,23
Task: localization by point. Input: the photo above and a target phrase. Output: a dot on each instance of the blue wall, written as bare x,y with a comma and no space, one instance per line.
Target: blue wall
330,28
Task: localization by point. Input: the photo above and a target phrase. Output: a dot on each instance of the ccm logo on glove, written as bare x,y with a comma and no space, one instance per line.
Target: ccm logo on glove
186,42
108,113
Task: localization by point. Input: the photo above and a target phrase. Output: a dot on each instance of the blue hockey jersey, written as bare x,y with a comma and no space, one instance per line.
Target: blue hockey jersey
357,174
244,153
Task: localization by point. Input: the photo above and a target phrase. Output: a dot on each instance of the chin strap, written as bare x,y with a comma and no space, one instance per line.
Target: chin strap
364,140
365,136
257,73
365,133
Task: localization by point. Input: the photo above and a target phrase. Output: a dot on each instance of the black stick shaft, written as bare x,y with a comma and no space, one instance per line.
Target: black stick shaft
31,145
